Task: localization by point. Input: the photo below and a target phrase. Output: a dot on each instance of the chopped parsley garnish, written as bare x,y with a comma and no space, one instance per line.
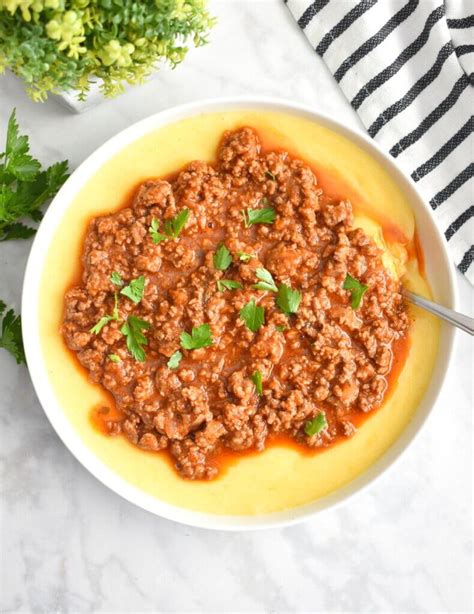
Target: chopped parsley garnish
267,282
288,300
175,225
270,175
257,380
245,257
316,425
10,338
174,360
134,290
280,328
171,228
222,258
267,215
114,358
252,315
24,187
116,279
132,329
200,337
356,288
100,324
156,236
227,284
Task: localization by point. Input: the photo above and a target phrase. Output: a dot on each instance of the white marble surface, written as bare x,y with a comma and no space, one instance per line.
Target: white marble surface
70,545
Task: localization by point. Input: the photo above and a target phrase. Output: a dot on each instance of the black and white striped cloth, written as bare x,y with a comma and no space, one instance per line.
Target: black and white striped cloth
406,66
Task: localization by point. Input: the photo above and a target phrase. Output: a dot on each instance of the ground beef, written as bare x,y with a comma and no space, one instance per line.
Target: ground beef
328,357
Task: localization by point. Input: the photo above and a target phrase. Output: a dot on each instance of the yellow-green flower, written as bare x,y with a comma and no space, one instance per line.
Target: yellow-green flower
115,53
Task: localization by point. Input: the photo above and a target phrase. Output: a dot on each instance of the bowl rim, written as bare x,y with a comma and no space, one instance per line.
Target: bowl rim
38,373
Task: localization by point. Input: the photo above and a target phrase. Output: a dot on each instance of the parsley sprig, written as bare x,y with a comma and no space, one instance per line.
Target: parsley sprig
132,329
257,380
316,425
266,215
222,258
253,315
227,284
24,187
266,283
356,288
288,300
135,289
171,228
200,337
10,337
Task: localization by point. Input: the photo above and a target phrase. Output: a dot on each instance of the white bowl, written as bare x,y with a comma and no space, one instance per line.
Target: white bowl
438,269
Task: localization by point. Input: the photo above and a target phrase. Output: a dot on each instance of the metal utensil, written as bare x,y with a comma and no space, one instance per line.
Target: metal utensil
463,322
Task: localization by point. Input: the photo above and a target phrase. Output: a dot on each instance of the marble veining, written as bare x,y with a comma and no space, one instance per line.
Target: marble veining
70,545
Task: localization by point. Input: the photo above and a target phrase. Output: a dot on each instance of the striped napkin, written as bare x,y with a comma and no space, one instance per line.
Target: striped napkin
407,69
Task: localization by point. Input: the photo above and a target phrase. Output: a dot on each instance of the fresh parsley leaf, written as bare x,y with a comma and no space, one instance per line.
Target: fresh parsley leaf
267,282
227,284
11,338
156,236
174,360
16,231
288,300
270,175
132,329
171,228
267,215
95,330
280,328
316,425
245,257
252,315
257,380
175,225
114,358
135,289
116,279
24,187
357,290
222,258
200,337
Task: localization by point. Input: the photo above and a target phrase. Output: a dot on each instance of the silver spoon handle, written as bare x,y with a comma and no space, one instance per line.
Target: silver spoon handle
463,322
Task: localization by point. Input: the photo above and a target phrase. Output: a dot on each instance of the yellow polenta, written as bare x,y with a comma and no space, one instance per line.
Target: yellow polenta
281,477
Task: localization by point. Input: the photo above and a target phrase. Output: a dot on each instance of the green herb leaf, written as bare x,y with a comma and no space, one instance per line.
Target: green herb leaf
357,290
257,380
252,315
227,284
132,329
156,236
288,300
114,358
245,257
270,175
174,360
11,338
16,231
280,328
222,258
200,337
24,188
175,225
116,279
267,215
316,425
95,330
267,282
135,289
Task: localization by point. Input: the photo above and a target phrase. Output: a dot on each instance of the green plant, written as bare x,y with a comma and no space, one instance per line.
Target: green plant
59,45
